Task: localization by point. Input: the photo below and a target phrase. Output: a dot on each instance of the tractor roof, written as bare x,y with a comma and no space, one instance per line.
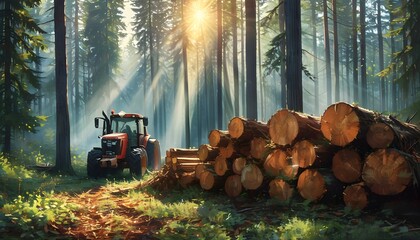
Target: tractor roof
123,114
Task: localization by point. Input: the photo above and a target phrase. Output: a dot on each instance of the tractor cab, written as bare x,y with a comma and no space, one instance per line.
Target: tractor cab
125,142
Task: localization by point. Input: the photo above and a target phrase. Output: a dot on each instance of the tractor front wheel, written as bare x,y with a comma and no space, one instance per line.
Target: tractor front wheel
137,161
93,168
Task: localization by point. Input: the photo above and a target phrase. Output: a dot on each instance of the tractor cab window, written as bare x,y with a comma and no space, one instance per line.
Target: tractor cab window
126,125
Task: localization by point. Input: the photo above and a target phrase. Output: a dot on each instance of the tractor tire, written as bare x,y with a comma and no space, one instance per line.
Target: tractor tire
93,168
153,154
137,162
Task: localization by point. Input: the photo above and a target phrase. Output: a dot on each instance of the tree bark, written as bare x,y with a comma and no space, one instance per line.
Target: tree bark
251,60
63,159
363,76
327,53
355,53
219,138
235,55
294,55
219,65
336,51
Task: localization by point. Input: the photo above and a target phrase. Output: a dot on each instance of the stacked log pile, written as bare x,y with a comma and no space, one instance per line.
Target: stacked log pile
349,154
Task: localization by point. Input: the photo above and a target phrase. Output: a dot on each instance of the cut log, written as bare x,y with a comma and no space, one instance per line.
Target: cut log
286,127
251,177
238,164
379,135
209,180
200,168
304,153
347,166
258,147
311,185
233,186
228,150
185,167
220,165
207,152
387,172
342,123
182,152
355,197
218,138
281,190
187,179
275,162
246,129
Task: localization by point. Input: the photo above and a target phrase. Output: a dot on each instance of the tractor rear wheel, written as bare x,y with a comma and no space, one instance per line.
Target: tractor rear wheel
153,154
137,161
93,168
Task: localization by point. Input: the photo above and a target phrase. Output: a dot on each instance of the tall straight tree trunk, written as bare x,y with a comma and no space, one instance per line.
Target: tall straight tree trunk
70,65
347,46
243,71
363,76
251,60
355,53
262,90
152,67
63,159
294,55
283,80
327,53
315,49
219,65
186,92
381,55
235,55
7,51
76,68
336,51
394,97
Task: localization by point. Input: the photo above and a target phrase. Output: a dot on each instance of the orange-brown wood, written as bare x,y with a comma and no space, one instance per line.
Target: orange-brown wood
347,166
182,152
379,135
207,152
304,153
228,150
311,185
258,147
238,164
220,165
281,190
233,186
218,138
246,129
251,177
207,180
275,162
387,172
355,197
187,179
200,168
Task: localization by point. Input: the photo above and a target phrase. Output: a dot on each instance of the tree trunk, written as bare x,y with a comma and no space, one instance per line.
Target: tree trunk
387,172
294,55
363,73
207,152
336,51
63,159
77,117
381,56
355,53
186,91
235,55
219,138
327,53
219,65
286,127
251,60
283,80
7,77
315,52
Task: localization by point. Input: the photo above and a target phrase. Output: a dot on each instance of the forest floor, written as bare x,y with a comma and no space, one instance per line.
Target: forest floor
131,209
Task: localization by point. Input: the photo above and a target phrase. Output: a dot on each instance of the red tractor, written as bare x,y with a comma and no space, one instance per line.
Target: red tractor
125,143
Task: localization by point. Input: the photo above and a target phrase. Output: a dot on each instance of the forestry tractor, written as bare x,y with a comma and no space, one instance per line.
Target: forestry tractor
125,143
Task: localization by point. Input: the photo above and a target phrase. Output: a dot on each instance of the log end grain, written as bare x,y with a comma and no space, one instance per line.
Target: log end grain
275,162
379,135
258,147
355,197
233,186
238,165
236,127
280,190
251,177
207,180
304,153
311,185
340,124
283,127
347,166
386,172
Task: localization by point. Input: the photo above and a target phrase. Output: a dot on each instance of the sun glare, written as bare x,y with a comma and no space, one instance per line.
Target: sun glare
199,19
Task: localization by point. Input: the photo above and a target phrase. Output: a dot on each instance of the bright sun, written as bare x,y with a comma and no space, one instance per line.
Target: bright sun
198,16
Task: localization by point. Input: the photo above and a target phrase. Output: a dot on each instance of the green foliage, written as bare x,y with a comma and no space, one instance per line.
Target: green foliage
260,230
30,215
188,230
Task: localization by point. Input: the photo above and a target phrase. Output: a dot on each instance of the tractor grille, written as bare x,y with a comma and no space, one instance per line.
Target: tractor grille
111,147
